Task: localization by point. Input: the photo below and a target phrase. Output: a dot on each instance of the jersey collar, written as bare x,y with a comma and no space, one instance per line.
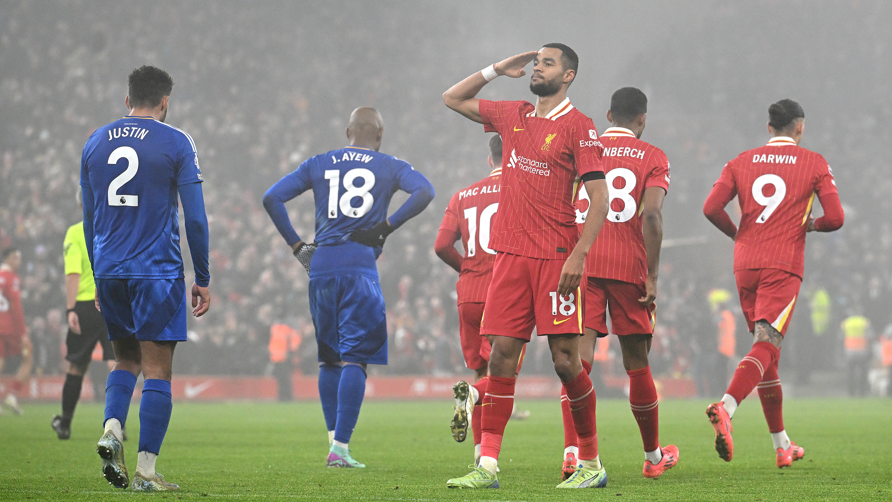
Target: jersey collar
559,111
358,147
781,141
146,117
495,172
618,131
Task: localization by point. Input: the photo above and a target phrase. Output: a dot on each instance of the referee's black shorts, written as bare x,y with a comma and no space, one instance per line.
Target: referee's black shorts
80,347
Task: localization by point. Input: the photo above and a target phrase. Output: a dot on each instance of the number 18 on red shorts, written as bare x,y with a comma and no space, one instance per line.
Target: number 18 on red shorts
523,295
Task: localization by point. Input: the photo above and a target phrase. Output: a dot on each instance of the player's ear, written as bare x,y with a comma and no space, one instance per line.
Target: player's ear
164,100
127,102
489,159
609,116
569,75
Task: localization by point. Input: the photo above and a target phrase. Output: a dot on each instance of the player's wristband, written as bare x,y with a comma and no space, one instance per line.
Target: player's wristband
489,73
69,311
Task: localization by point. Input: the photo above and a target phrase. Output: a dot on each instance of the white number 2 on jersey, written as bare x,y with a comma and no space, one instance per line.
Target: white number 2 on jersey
485,225
114,199
623,194
770,203
362,191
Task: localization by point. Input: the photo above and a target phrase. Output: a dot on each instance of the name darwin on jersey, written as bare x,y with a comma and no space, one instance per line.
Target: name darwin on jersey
623,151
479,190
127,132
355,156
774,159
529,165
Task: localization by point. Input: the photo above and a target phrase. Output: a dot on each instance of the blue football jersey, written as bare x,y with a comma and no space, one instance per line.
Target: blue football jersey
133,167
352,188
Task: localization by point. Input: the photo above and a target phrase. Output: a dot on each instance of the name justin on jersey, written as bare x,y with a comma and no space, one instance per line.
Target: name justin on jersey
354,156
774,159
127,132
479,190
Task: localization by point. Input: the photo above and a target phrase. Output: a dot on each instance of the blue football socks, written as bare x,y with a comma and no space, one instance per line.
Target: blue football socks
118,393
329,380
154,414
350,393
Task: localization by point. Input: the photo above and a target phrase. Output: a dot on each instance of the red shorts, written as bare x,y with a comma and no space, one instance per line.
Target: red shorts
523,295
627,316
767,295
475,348
10,346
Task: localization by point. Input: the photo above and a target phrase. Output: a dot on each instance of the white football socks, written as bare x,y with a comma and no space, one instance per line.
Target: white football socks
780,440
476,454
730,404
654,456
594,463
330,437
145,464
113,425
490,464
339,444
571,449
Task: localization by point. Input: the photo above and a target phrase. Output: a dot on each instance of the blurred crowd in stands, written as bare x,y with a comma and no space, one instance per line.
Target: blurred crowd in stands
260,93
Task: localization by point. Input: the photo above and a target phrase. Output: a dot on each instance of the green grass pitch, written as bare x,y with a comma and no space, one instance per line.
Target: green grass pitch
274,451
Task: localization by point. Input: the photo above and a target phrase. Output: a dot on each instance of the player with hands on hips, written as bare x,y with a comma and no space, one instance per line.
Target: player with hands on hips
352,188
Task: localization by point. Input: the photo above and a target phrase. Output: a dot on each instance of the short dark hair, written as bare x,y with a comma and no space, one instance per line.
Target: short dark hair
627,104
6,252
495,148
147,85
783,113
569,59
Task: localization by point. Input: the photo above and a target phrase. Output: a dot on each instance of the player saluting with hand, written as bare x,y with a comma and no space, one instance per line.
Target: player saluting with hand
132,173
352,188
540,256
776,185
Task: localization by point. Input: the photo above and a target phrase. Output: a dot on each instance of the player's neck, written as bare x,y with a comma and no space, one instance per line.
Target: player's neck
365,144
145,112
4,266
545,104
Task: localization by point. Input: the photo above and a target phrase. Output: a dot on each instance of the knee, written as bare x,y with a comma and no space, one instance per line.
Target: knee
765,332
564,367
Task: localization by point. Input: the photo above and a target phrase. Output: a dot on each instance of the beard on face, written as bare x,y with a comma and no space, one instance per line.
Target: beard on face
545,88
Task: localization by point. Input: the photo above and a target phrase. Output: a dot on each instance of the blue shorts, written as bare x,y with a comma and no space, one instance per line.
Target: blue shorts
151,309
349,315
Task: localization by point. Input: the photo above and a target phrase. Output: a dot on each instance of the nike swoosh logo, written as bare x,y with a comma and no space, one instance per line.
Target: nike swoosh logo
556,322
516,129
192,391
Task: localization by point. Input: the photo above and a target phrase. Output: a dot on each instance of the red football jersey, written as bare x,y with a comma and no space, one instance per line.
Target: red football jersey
631,166
543,159
469,216
775,185
12,317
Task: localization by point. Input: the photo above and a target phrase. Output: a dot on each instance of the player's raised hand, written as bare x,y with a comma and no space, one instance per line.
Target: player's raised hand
201,300
513,66
571,274
650,286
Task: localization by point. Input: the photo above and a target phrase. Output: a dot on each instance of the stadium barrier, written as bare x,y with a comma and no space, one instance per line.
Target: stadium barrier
221,388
